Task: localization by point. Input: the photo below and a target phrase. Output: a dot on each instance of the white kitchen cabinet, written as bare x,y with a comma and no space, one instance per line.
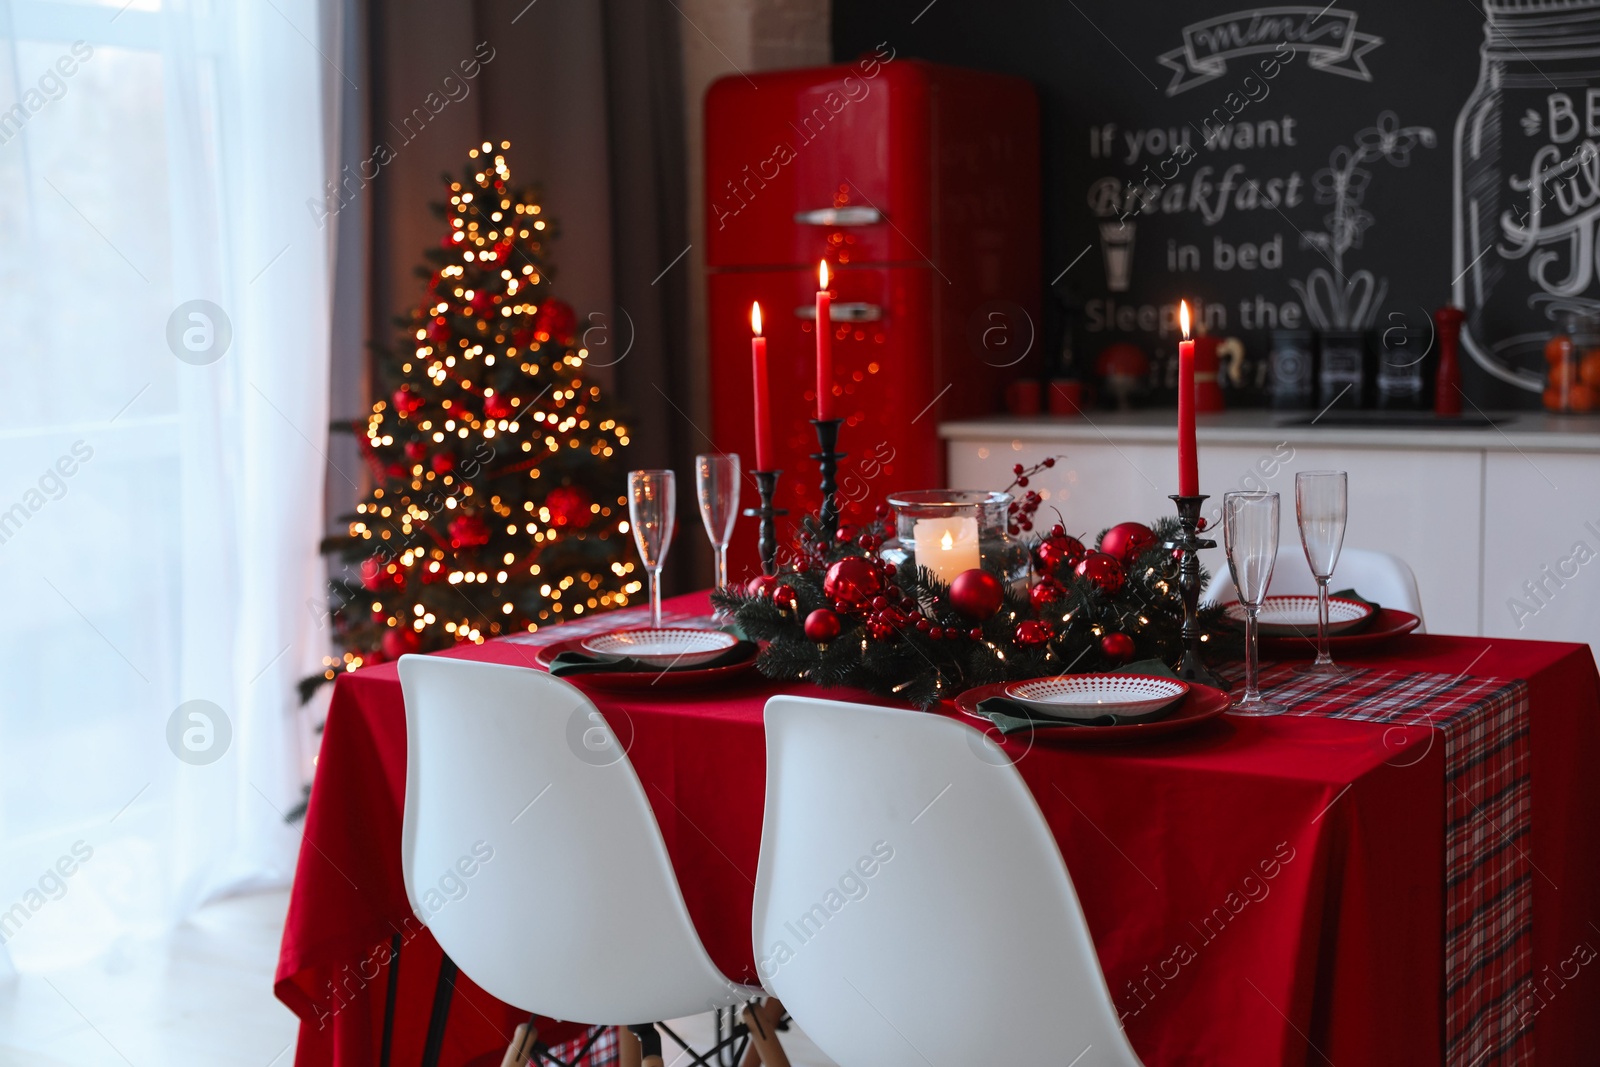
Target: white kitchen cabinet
1476,512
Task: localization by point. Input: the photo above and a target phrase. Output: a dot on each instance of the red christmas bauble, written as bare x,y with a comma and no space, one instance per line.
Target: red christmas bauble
784,596
570,506
405,401
1103,571
852,582
397,641
1045,592
433,571
761,585
1126,541
556,320
438,330
1057,553
373,575
443,463
976,593
886,624
482,299
523,338
498,406
822,625
416,449
1117,647
1034,632
469,531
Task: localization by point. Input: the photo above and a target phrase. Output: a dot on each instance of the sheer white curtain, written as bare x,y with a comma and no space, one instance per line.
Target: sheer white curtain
164,323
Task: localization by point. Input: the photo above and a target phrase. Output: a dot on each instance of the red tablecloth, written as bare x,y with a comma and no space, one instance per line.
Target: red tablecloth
1266,891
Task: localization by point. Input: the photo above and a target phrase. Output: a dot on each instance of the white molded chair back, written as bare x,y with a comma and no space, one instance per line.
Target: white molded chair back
1379,576
532,855
911,906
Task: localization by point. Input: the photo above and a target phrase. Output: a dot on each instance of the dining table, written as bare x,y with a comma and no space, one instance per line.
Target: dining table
1403,869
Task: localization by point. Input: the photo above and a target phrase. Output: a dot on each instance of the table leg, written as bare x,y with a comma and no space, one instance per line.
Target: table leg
442,992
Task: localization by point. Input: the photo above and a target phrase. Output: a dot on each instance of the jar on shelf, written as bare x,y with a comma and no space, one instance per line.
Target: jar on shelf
1572,357
952,530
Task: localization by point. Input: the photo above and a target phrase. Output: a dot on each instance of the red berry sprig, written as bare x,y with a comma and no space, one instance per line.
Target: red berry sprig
1020,512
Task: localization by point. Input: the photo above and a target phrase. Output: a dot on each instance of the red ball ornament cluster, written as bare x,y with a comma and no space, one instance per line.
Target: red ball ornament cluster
1127,541
852,582
1032,633
1058,552
1104,571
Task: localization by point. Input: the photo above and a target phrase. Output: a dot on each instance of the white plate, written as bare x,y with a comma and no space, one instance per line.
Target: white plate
1088,696
1296,616
666,647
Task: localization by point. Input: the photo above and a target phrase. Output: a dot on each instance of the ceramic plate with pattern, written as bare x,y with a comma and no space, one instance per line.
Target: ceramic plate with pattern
1088,696
1295,616
666,647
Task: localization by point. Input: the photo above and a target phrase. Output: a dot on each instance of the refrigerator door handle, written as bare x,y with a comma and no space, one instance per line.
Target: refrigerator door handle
839,216
843,312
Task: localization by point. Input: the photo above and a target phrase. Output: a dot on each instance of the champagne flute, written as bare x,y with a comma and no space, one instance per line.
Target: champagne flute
653,511
717,486
1250,534
1321,503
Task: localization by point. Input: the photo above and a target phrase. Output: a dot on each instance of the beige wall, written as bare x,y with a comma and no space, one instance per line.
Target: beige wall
730,37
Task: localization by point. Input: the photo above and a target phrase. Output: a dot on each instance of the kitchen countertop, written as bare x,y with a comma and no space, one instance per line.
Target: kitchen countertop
1522,431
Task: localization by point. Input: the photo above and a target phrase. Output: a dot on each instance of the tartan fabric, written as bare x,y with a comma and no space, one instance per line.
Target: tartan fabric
603,1053
1488,876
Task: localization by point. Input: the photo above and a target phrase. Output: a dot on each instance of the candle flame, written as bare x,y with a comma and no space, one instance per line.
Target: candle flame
947,542
755,317
1183,317
822,275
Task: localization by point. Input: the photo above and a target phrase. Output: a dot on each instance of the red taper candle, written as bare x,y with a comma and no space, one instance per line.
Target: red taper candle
758,374
1188,458
824,345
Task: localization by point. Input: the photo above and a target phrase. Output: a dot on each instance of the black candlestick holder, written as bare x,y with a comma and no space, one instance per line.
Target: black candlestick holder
1191,668
767,486
828,456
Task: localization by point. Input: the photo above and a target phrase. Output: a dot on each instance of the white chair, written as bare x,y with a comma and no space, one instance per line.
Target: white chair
532,854
911,906
1379,576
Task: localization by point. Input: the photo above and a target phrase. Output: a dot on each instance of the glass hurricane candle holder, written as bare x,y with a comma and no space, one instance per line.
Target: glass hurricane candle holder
952,530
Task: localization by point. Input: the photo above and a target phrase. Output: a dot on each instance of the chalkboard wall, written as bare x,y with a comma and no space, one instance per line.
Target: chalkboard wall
1294,167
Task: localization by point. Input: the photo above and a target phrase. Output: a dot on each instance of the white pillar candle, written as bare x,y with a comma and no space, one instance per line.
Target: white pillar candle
946,546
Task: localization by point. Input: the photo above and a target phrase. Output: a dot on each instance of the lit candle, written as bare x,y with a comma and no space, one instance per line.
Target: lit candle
824,345
946,546
758,366
1188,459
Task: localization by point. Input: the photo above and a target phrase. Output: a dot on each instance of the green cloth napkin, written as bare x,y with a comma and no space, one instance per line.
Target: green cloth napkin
583,663
1008,716
1351,594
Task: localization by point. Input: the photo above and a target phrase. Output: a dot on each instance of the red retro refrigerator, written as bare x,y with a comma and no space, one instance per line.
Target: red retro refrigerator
919,184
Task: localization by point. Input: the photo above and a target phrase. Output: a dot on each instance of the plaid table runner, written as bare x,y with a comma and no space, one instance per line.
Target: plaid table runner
1488,884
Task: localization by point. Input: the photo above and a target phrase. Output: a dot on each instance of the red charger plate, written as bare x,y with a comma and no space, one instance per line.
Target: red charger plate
1386,625
1203,704
658,679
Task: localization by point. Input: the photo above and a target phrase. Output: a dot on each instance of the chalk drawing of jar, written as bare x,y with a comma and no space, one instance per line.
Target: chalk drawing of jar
1527,184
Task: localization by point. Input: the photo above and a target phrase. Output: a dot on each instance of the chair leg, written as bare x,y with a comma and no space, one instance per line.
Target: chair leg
442,992
649,1044
764,1033
520,1051
770,1011
388,1001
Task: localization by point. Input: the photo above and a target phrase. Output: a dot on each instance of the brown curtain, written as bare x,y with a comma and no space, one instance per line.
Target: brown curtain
589,93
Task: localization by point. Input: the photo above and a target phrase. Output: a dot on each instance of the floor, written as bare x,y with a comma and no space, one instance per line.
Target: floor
200,997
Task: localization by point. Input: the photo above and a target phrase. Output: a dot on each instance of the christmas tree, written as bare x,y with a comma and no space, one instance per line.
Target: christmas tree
497,500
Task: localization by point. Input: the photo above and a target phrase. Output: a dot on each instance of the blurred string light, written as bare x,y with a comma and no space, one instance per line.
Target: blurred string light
477,382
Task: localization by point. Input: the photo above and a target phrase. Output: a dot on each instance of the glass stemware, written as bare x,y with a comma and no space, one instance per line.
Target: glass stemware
653,512
716,483
1250,535
1321,503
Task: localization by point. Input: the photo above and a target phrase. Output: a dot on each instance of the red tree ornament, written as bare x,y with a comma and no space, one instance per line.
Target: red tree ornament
1117,647
570,505
1045,592
761,585
822,626
976,593
1126,541
785,597
852,582
498,406
373,575
1057,553
557,321
1032,633
1103,571
398,641
469,531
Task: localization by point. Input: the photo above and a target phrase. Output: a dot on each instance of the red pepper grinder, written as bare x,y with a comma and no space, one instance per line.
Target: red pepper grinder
1447,386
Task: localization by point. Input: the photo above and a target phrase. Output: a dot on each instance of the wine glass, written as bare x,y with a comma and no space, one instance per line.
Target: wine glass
653,511
1321,504
717,485
1250,534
